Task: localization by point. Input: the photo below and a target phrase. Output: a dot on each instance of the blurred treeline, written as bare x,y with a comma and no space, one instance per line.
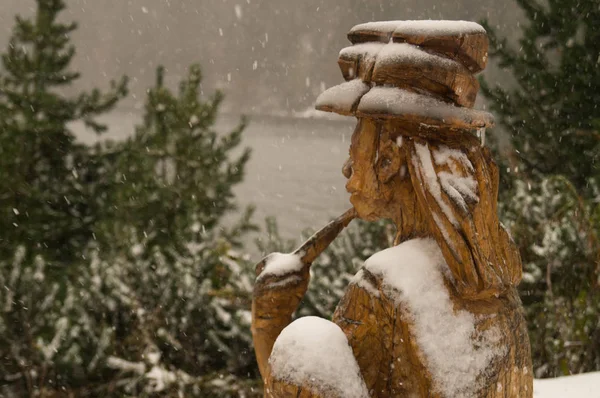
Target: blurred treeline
118,276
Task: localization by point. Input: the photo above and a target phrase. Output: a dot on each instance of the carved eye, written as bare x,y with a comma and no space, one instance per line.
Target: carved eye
387,166
347,168
385,163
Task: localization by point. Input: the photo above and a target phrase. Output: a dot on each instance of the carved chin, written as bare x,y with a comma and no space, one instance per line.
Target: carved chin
365,208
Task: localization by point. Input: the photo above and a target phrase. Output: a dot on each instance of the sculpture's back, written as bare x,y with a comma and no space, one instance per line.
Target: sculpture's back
437,315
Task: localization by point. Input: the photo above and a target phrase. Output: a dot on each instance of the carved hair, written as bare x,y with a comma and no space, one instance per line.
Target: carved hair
456,184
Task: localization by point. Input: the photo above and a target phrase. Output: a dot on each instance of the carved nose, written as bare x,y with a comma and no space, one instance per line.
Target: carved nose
354,184
347,168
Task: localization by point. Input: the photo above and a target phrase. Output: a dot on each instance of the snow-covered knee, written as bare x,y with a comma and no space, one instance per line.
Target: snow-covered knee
314,353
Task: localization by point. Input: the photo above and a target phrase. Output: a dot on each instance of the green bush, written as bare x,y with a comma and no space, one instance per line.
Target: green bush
549,195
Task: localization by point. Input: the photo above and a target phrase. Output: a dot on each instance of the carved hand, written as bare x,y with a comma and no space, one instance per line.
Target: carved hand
282,281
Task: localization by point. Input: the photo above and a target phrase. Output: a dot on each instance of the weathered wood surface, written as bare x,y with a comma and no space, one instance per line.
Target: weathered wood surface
434,85
415,108
413,161
411,108
391,362
448,81
379,331
270,308
469,46
351,92
471,50
407,66
358,61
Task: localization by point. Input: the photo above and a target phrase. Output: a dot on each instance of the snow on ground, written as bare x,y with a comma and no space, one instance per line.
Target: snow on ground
578,386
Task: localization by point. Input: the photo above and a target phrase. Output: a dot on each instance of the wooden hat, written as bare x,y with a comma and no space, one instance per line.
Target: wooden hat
421,71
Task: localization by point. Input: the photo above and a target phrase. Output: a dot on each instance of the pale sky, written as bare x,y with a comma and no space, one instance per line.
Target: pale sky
265,55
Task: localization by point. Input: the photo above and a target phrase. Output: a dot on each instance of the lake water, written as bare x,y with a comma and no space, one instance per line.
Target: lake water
294,172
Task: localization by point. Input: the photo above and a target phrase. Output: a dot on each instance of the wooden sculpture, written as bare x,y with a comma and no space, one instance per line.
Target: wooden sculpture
437,315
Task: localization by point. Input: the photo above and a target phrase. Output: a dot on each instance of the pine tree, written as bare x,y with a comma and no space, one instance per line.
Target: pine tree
164,238
47,178
550,198
176,175
159,305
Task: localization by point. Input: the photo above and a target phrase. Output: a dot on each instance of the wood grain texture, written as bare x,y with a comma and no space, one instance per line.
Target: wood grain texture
418,109
358,61
401,159
382,338
468,48
273,300
408,66
483,262
448,81
471,50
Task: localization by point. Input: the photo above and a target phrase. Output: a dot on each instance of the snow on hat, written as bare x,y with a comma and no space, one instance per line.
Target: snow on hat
419,71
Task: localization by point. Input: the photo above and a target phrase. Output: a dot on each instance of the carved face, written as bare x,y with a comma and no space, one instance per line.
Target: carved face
377,174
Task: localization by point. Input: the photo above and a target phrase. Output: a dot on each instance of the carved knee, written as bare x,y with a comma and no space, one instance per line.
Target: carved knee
312,358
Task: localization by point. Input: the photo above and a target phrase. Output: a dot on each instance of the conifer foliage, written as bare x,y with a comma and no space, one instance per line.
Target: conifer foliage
550,197
118,276
47,202
178,157
180,286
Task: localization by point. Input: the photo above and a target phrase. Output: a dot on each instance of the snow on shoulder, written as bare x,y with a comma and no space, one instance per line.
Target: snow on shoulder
280,264
454,351
360,281
313,351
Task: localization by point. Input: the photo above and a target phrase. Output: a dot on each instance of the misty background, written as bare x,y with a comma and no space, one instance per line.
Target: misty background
270,58
267,56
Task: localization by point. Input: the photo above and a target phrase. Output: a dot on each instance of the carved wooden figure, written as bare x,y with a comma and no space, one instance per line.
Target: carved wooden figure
438,314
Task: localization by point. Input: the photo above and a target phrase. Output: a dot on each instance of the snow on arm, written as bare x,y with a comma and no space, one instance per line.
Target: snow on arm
280,264
481,135
314,353
454,351
285,281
